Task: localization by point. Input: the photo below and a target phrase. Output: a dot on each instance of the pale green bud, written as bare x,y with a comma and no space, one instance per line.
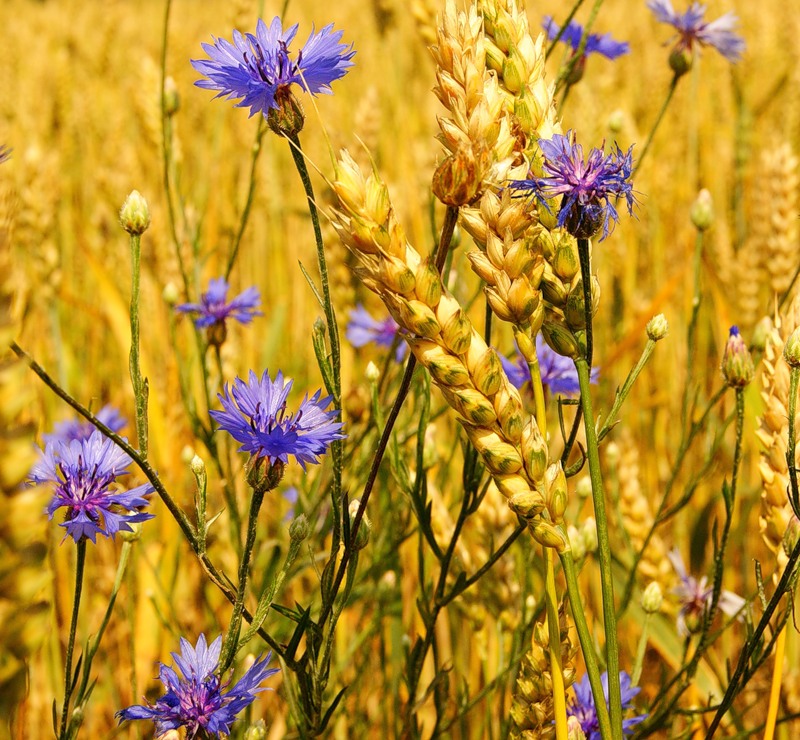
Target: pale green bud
702,211
171,294
299,528
256,731
134,216
791,350
657,327
372,373
652,598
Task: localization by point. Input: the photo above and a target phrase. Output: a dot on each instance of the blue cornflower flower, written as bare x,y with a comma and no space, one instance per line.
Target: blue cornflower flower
257,67
558,373
363,329
596,43
199,701
215,309
695,598
255,415
83,471
586,188
66,431
693,29
584,709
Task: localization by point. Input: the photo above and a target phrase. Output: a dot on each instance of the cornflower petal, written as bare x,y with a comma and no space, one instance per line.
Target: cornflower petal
692,29
198,700
83,472
602,44
584,709
255,414
587,188
215,309
255,67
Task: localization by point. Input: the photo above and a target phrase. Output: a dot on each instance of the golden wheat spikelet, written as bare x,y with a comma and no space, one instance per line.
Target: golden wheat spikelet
637,516
532,706
773,433
776,227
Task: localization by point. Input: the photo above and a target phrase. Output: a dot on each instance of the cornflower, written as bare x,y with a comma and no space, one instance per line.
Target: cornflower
696,596
586,188
584,709
198,700
363,329
255,414
259,68
558,372
66,431
602,44
214,309
692,29
83,471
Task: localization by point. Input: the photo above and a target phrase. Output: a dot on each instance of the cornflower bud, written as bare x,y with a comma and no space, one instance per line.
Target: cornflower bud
364,529
791,350
657,327
170,294
702,211
652,598
737,365
134,216
299,528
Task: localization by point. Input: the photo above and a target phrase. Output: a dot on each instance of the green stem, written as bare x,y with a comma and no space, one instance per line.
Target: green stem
251,190
603,551
794,380
231,639
140,388
640,651
334,385
73,628
587,645
691,331
670,93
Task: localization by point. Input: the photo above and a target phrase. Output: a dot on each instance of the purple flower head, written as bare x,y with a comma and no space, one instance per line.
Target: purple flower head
83,471
256,67
362,329
587,189
255,414
215,309
66,431
696,596
584,709
692,29
197,699
558,372
596,43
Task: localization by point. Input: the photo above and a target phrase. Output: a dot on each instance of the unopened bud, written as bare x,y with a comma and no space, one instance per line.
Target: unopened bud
612,454
583,488
256,731
791,535
170,294
616,121
791,350
737,365
761,332
134,216
198,466
372,373
299,528
364,529
589,533
657,327
133,533
576,542
287,116
187,454
702,211
652,598
172,101
262,475
680,61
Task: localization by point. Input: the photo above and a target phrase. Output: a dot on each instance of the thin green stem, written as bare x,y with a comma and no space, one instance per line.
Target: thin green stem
251,190
670,93
140,388
603,551
587,645
640,651
232,638
691,331
73,628
794,380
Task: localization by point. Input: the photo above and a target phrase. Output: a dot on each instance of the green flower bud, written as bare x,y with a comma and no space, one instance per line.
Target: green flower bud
364,529
287,117
170,294
791,350
256,731
299,528
372,372
737,365
702,211
134,216
652,598
680,61
657,327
